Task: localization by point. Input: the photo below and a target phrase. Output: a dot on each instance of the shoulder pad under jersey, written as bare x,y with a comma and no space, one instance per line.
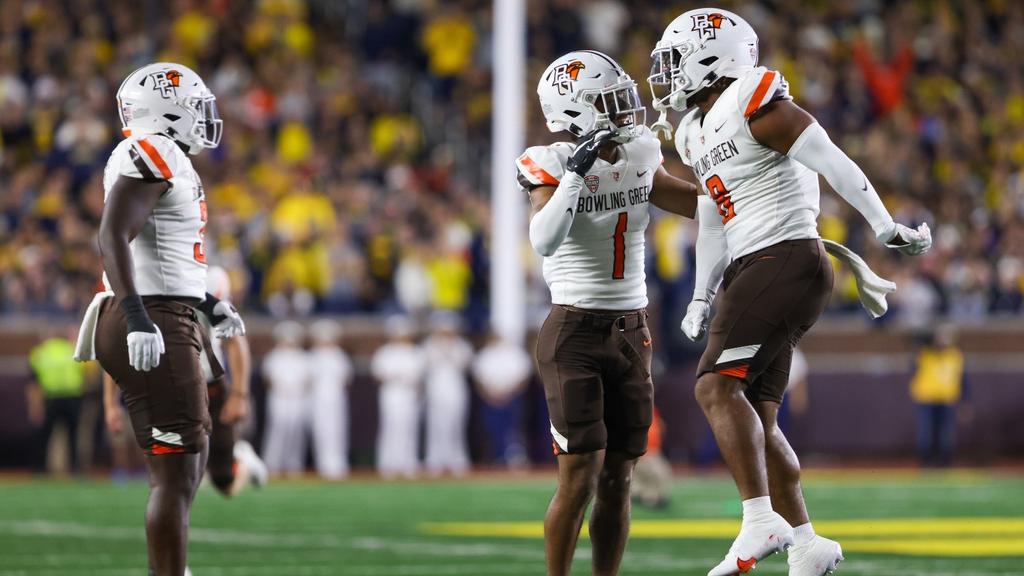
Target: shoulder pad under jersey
542,165
759,87
150,157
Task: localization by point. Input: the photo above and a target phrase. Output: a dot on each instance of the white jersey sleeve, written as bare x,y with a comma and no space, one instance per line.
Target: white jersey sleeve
542,165
169,252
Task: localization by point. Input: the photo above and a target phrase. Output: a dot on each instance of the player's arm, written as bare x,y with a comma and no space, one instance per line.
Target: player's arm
240,360
673,194
788,129
555,208
127,207
712,259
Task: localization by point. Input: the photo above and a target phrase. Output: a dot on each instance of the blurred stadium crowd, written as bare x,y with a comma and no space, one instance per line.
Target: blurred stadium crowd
353,176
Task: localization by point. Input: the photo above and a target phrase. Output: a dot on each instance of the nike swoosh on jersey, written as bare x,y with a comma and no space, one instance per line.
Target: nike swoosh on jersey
722,125
640,174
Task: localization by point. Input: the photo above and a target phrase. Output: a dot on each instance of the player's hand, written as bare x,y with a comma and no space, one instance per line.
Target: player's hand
695,323
908,240
145,348
235,409
583,157
114,419
145,342
227,322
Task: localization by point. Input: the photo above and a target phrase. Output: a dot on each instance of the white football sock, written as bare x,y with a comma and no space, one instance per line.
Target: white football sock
754,507
803,534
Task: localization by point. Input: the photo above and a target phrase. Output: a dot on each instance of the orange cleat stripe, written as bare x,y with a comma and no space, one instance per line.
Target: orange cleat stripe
155,157
759,93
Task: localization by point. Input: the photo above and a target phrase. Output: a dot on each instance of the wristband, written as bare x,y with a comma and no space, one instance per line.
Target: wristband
135,315
207,306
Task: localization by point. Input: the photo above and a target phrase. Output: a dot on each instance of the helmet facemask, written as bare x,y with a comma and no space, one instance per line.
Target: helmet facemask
674,69
618,108
207,127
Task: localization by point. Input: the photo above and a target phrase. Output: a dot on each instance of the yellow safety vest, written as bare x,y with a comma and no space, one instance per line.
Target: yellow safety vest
939,376
56,370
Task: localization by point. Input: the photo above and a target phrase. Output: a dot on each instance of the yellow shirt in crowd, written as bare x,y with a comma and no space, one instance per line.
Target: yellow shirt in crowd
939,376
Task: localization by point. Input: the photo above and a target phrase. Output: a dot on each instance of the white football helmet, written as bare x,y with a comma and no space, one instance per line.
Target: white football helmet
696,50
586,90
170,99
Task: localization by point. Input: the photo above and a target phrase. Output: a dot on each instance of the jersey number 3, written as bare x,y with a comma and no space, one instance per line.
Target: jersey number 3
619,241
199,249
716,188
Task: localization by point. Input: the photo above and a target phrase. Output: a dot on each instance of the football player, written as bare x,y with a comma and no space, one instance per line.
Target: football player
757,155
590,200
144,329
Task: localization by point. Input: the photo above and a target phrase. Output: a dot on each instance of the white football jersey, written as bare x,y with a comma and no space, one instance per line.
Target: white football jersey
169,255
600,265
763,197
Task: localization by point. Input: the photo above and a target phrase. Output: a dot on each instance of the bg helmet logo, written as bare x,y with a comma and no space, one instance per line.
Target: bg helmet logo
166,82
563,74
707,25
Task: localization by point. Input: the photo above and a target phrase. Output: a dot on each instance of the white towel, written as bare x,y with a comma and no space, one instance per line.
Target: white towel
85,349
870,286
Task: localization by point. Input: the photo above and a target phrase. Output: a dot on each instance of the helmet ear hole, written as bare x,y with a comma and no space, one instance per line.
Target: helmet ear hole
172,117
571,113
709,61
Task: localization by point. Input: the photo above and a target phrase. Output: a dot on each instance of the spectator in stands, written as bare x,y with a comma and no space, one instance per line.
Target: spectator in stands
501,371
55,397
936,389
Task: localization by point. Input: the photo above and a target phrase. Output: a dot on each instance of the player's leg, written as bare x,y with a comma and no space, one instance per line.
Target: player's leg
168,410
577,482
569,358
221,462
783,468
769,298
609,519
174,479
629,410
737,431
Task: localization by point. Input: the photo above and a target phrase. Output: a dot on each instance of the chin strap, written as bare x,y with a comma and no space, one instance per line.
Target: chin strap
662,126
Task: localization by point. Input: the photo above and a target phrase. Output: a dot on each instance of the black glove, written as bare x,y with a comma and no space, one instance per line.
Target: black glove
583,156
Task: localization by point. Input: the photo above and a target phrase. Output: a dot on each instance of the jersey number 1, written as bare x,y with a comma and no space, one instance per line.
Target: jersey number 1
716,188
199,249
619,263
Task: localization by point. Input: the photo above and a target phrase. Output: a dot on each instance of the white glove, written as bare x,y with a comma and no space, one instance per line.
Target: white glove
231,324
907,240
144,349
695,323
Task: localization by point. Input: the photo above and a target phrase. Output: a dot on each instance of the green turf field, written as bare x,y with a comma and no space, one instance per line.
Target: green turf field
958,524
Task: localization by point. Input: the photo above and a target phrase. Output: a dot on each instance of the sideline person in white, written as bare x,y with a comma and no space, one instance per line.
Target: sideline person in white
448,357
286,373
398,367
330,375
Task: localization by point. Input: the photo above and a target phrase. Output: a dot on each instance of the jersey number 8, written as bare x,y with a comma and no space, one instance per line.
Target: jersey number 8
199,249
716,188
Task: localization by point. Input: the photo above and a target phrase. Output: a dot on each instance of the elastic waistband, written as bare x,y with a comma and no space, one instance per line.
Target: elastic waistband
775,246
186,300
603,319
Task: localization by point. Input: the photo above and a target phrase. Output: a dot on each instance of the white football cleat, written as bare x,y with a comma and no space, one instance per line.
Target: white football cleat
757,539
818,557
255,467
